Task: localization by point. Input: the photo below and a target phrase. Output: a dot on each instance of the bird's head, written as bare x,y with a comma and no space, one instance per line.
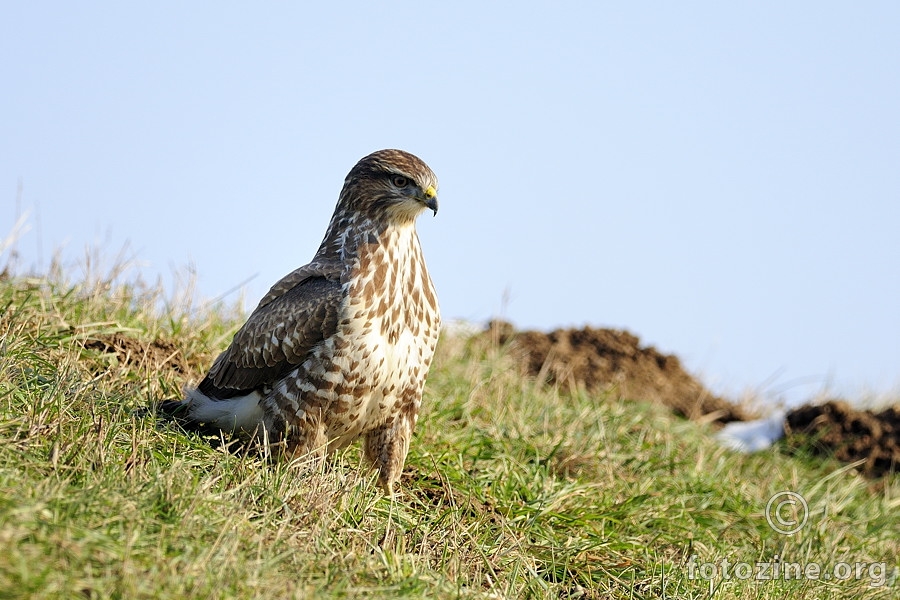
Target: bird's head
390,185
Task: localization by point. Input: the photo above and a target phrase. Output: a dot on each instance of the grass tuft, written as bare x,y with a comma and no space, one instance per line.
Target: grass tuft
511,490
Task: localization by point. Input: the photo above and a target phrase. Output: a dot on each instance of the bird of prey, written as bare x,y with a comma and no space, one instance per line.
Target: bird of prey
339,348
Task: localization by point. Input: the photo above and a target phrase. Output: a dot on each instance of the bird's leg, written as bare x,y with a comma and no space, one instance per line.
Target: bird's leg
390,535
386,448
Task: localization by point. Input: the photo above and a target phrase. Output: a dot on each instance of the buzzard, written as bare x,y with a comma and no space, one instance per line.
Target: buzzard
339,348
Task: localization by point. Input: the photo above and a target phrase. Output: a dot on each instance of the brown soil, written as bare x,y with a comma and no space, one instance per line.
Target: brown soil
131,351
850,435
613,360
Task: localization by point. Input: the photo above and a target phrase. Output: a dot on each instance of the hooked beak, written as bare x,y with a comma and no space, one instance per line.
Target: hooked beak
430,199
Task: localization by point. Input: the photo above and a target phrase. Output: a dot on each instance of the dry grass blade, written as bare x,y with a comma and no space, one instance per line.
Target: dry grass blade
512,490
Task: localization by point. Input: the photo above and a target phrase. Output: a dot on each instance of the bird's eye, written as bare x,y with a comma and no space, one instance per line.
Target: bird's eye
400,181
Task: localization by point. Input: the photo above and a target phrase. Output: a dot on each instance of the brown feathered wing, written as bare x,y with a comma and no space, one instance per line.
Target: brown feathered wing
299,311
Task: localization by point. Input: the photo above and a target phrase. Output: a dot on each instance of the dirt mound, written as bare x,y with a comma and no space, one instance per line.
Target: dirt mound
836,429
611,359
614,360
131,351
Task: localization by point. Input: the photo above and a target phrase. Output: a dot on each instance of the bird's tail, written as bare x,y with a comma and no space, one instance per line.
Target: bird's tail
175,410
180,412
168,410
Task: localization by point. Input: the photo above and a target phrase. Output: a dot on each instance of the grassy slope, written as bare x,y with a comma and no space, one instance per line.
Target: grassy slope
510,490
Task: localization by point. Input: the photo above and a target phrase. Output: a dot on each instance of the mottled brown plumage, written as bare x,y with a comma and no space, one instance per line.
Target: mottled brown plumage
340,348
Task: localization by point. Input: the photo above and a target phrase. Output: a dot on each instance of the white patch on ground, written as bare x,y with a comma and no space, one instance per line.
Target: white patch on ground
752,436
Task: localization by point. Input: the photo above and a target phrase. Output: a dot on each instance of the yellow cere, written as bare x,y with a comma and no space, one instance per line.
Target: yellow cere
430,192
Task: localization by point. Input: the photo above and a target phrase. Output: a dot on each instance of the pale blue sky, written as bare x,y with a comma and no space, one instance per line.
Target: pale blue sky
721,180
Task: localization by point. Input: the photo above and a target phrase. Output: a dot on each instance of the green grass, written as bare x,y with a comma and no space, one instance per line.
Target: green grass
511,490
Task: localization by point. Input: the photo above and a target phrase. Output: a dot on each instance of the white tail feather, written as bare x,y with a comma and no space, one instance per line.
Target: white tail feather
233,414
